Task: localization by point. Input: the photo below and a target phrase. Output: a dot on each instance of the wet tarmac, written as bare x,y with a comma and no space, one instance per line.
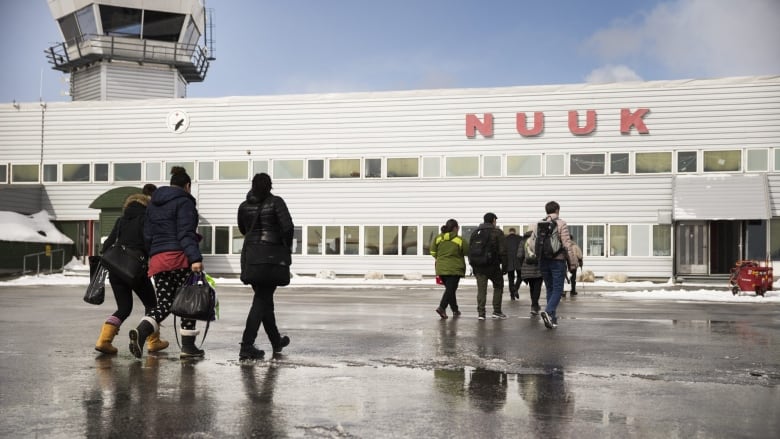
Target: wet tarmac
378,362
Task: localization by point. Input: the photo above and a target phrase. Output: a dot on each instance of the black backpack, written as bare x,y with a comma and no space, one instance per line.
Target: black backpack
548,239
482,250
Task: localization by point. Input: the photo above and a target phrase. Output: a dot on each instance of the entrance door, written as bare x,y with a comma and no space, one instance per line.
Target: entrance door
691,242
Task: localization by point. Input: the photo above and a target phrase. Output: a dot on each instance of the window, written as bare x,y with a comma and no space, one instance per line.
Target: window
70,29
153,171
76,26
288,169
297,245
518,165
461,167
373,168
618,163
314,240
402,167
316,168
221,240
653,162
259,166
755,239
576,235
686,161
162,26
431,167
774,238
595,241
237,240
344,168
429,234
408,240
75,172
188,166
207,243
554,164
389,240
618,240
777,159
3,173
191,35
50,172
491,166
127,172
205,170
101,172
371,240
757,160
640,240
722,161
332,240
351,240
662,240
24,173
591,164
122,22
86,20
233,170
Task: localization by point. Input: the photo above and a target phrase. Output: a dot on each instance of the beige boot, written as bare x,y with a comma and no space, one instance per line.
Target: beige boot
154,343
107,335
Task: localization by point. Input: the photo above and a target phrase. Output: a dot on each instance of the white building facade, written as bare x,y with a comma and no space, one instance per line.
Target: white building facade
655,179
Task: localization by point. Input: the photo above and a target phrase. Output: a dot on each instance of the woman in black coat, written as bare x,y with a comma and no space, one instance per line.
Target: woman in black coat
129,231
264,221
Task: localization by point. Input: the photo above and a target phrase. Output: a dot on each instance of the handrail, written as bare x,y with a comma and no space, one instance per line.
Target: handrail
38,261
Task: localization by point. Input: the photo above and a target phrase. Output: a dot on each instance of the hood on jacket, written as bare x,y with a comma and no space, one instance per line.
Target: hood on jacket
165,194
136,198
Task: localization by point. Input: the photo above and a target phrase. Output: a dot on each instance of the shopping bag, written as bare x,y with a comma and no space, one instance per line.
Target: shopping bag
195,299
96,291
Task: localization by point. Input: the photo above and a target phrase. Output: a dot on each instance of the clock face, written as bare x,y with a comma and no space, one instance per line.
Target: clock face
178,121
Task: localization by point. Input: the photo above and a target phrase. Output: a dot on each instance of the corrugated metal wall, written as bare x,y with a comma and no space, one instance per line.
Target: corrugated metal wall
684,115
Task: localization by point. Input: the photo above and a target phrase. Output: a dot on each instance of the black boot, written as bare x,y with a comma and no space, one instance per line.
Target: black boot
139,335
250,352
188,348
283,342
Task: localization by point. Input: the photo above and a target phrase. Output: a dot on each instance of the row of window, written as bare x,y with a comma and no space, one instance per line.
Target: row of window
596,240
755,160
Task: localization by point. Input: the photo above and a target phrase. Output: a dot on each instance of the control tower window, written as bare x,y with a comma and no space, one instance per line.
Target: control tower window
75,27
162,26
121,22
191,35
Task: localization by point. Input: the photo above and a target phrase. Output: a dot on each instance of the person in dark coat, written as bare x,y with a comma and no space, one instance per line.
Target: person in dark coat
512,263
171,233
264,220
531,275
493,271
129,231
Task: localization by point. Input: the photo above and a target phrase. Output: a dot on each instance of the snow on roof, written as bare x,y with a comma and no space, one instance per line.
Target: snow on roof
15,227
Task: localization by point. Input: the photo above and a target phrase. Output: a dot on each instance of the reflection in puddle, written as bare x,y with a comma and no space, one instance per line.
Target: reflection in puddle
742,329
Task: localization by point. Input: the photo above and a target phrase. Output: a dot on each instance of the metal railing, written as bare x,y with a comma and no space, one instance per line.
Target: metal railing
38,261
191,60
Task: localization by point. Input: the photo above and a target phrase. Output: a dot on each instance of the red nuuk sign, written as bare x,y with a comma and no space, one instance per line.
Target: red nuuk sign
628,120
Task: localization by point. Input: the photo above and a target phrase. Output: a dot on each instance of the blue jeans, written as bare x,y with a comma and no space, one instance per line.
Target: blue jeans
554,275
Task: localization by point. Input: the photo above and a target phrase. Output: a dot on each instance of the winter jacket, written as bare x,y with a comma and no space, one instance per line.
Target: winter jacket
266,223
527,271
129,228
499,243
450,250
512,243
172,223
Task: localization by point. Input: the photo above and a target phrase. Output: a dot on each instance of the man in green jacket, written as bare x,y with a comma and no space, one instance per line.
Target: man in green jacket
449,250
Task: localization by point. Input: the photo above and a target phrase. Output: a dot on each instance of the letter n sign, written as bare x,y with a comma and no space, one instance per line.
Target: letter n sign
473,124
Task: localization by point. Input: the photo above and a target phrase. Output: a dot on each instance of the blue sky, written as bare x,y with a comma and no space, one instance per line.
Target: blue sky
323,46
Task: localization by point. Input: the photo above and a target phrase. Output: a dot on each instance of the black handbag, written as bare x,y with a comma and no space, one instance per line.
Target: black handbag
96,291
128,263
195,299
266,264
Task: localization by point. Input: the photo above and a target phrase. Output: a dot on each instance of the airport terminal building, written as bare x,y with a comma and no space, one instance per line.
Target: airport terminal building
656,179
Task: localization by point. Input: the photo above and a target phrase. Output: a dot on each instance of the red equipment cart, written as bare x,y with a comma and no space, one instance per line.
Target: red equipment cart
751,276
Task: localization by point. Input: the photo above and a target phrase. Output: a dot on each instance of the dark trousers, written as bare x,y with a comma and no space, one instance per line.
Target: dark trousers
449,297
535,289
123,294
573,280
513,276
261,312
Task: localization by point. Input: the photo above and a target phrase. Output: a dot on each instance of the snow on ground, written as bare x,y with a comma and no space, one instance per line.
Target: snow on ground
77,273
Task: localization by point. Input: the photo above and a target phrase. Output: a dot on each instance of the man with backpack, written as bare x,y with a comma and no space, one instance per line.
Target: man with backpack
556,258
487,257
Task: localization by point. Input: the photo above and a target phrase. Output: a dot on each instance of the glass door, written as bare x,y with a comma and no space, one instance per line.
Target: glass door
692,241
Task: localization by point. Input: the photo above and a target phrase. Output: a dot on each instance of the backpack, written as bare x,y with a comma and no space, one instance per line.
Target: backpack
548,240
481,248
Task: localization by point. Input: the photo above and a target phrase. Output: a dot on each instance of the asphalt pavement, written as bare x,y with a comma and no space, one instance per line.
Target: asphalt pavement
377,362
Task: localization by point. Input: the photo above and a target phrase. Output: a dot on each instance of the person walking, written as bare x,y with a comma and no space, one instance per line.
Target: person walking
129,231
263,219
513,263
554,269
487,257
449,251
170,231
531,275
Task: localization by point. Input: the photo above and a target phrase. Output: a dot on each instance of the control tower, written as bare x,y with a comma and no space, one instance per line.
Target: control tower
131,49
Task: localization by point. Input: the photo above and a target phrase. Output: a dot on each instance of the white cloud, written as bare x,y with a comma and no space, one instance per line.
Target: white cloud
610,73
697,38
